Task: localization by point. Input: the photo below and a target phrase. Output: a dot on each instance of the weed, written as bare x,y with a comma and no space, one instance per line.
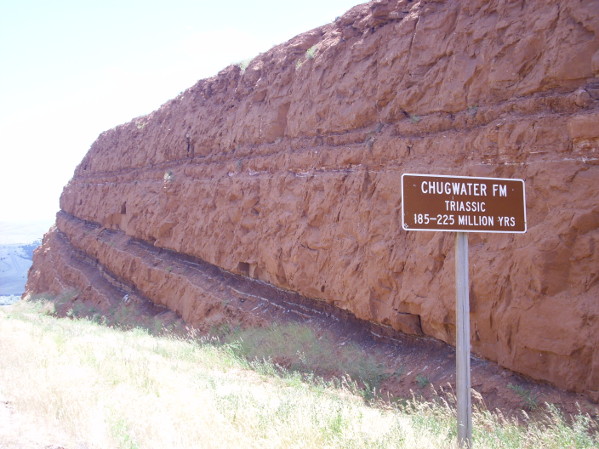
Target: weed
297,347
422,380
530,399
122,434
244,64
123,315
398,373
310,54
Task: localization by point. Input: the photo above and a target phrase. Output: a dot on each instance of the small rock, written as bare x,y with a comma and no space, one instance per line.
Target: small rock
582,98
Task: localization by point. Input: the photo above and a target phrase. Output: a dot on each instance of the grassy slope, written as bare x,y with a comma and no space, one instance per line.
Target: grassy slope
76,383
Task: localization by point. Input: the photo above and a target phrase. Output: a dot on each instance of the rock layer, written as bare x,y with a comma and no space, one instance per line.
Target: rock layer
288,172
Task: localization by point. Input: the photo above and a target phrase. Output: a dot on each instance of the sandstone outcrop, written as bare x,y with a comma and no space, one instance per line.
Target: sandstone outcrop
289,171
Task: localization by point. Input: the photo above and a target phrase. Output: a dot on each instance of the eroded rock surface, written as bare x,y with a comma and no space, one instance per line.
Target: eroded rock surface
288,172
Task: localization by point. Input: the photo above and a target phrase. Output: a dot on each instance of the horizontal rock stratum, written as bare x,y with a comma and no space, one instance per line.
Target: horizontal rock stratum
289,172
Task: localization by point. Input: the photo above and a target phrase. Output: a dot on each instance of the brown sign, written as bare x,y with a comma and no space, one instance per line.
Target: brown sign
465,204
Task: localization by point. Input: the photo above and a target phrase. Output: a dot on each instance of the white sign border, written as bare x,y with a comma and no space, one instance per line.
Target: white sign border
403,223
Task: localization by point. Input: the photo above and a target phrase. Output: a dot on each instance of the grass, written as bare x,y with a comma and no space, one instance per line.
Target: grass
311,52
243,64
529,399
298,348
101,386
125,315
422,380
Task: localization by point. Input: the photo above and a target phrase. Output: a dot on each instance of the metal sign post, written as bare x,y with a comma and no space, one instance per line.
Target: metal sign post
462,347
462,204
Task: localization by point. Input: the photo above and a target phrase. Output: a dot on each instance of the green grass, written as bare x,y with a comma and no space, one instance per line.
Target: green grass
296,347
243,64
123,315
311,52
529,400
78,382
422,380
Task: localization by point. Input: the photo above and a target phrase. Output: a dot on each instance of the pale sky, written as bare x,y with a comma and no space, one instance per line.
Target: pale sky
70,69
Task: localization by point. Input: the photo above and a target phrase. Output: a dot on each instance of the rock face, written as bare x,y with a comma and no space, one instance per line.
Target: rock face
289,171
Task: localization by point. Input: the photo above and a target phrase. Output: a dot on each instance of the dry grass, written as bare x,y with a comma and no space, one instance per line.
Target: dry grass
297,347
74,383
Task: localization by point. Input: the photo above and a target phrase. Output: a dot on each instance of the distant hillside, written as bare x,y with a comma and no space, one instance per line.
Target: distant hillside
18,240
15,261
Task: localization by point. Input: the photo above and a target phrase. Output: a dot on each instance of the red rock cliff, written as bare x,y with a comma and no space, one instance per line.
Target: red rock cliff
289,172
